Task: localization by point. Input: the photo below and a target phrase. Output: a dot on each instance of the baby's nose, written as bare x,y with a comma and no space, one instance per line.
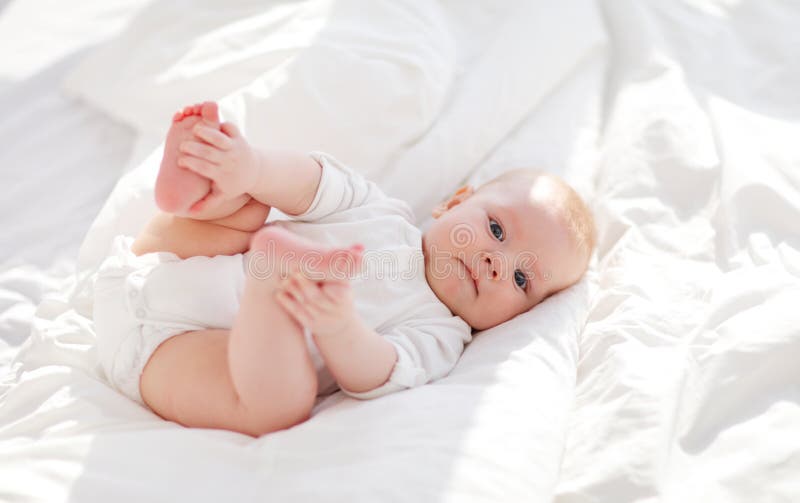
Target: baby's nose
493,263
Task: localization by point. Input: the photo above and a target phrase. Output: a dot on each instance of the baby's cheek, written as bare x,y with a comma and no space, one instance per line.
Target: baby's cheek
500,309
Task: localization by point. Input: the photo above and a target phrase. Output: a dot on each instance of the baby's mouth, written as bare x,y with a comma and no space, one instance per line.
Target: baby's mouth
471,276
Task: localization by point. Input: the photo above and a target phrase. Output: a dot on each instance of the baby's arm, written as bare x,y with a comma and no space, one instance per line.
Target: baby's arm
357,357
282,179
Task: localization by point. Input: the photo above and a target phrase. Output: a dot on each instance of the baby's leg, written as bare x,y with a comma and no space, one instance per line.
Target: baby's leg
258,377
178,190
187,237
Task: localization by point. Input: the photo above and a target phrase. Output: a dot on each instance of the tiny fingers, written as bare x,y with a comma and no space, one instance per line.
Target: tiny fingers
201,150
309,293
199,166
294,308
333,291
213,137
213,198
230,129
303,289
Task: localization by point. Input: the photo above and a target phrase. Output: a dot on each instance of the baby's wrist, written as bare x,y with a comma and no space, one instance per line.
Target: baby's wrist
258,167
287,180
349,327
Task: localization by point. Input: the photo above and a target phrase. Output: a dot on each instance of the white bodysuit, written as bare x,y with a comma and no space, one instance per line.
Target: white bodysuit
141,301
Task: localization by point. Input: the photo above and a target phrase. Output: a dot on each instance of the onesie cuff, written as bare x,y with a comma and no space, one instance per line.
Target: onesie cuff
331,184
405,375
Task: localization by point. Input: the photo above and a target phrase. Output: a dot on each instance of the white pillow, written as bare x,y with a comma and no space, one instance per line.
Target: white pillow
344,77
399,90
359,79
540,48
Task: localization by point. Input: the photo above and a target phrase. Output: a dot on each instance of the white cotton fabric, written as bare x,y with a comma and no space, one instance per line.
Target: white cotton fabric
681,117
402,91
141,301
282,70
391,292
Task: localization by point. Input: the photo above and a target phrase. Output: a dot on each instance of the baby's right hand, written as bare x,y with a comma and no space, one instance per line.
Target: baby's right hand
326,308
223,156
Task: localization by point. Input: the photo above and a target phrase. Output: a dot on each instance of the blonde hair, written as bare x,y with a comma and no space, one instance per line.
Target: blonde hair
570,206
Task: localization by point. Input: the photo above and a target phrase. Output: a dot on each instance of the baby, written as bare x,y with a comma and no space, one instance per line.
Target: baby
213,319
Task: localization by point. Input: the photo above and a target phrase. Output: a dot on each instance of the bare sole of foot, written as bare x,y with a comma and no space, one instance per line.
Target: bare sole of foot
277,251
177,188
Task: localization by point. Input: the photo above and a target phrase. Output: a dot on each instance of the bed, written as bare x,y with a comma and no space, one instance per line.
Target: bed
669,373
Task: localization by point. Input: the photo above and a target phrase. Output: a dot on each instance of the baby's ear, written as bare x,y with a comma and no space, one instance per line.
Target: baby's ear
460,195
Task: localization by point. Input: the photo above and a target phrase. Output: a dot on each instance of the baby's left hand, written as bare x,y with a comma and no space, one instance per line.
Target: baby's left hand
224,157
326,308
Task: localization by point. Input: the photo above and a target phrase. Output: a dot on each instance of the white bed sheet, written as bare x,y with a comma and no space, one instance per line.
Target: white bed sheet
61,158
688,385
687,388
472,436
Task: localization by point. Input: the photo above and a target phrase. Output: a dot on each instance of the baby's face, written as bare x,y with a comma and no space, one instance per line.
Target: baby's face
493,254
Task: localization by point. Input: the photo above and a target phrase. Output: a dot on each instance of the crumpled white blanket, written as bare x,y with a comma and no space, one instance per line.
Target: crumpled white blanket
447,98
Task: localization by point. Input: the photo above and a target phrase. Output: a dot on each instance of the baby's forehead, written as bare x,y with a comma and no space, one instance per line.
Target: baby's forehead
524,197
517,204
536,209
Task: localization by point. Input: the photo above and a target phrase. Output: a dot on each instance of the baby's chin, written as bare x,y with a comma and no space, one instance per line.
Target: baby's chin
454,299
478,324
477,321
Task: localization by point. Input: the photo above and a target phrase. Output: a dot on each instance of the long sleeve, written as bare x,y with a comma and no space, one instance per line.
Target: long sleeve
426,350
391,292
341,189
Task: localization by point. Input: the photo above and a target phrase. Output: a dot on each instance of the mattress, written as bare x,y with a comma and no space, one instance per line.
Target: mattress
667,374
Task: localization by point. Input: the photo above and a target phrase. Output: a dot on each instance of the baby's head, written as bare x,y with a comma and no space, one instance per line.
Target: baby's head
495,252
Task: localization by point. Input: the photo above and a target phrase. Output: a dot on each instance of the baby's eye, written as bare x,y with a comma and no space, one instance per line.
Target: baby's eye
497,231
520,279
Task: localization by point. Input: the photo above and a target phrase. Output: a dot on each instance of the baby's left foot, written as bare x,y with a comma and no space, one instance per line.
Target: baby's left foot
177,188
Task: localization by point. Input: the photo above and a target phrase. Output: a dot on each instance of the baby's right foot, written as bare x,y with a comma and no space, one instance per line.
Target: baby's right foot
178,188
275,252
